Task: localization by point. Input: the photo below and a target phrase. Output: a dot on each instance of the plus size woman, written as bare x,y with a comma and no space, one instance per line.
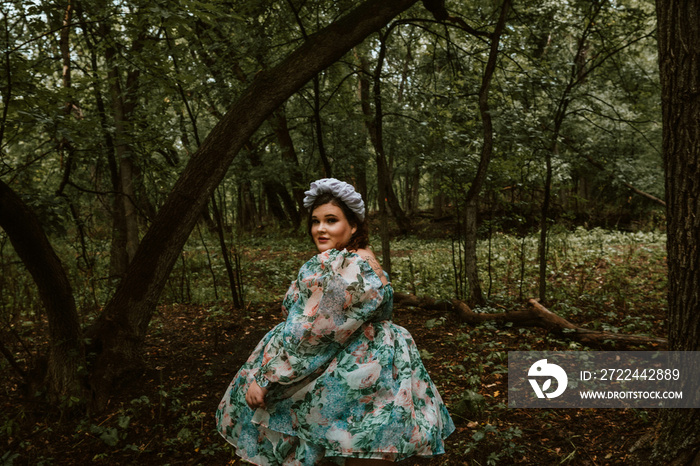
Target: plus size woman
337,382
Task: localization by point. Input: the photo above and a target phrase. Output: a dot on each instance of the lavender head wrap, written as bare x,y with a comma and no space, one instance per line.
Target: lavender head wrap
340,189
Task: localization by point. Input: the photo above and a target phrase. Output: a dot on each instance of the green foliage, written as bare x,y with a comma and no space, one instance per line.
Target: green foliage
180,64
175,420
589,269
172,422
576,81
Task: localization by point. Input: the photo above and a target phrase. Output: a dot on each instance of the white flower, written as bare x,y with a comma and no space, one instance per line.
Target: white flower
364,376
343,437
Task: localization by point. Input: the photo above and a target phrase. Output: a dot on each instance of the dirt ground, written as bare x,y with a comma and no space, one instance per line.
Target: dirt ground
164,415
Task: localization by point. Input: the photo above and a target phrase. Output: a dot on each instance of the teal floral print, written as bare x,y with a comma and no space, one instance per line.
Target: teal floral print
344,380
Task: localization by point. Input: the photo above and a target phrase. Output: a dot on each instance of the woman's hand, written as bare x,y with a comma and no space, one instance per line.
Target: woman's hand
256,396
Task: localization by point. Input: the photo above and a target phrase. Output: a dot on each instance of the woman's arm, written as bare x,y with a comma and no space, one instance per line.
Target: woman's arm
337,292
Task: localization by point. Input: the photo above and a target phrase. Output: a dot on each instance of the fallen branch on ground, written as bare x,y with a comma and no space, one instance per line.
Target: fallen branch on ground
535,316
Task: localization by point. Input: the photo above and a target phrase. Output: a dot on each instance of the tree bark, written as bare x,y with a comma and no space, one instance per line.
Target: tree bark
544,217
413,191
247,212
679,63
125,166
476,295
122,108
120,331
66,352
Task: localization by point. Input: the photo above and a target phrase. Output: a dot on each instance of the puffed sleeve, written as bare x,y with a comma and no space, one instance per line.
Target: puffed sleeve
333,295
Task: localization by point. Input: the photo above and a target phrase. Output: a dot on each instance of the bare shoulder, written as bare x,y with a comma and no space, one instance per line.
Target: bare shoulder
368,255
371,259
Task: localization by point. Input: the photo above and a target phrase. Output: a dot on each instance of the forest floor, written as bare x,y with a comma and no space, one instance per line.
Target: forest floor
165,414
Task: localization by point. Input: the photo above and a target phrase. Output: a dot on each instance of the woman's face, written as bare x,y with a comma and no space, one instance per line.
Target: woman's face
330,228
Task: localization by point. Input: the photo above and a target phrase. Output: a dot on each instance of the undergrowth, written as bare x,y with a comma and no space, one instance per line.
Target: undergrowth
598,279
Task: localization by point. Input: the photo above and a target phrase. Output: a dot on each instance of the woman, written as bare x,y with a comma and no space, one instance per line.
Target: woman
337,382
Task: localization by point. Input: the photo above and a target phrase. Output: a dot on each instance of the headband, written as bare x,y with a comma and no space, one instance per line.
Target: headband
340,189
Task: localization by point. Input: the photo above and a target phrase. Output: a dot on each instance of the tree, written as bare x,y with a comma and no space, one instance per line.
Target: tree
471,199
679,64
122,326
190,61
118,334
67,351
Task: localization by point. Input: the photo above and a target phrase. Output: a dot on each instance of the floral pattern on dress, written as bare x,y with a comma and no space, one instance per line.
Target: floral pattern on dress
344,380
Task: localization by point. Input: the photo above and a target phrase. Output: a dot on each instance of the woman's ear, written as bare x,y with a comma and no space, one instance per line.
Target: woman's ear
354,229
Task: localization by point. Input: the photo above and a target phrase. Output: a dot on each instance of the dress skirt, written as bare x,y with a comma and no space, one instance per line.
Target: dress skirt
344,380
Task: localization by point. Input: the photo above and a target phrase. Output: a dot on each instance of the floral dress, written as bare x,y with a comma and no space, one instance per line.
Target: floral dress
344,380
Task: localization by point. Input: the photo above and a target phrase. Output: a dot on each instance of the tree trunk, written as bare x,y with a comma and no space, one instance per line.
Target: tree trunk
118,257
438,196
544,224
232,273
360,182
413,191
125,164
121,109
122,326
247,213
66,352
679,63
578,73
275,192
318,126
374,124
289,155
476,296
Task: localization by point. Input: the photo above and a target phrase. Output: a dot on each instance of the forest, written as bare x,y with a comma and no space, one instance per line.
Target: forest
529,168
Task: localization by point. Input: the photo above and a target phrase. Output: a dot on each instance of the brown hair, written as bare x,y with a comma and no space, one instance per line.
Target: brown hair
359,239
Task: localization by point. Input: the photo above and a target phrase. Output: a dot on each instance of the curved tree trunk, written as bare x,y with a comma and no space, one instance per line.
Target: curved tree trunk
66,352
476,296
679,63
120,331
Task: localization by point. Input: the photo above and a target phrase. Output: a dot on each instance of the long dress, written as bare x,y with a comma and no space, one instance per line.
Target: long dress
344,380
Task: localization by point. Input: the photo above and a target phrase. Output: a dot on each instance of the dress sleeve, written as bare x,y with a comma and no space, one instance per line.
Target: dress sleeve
334,294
